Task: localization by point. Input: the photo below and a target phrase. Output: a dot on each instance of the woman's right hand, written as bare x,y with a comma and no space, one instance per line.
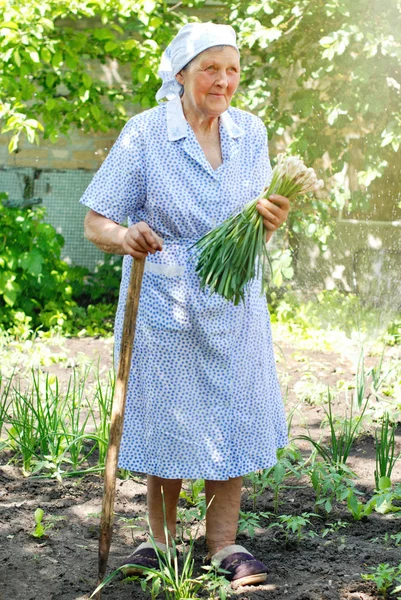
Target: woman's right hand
140,239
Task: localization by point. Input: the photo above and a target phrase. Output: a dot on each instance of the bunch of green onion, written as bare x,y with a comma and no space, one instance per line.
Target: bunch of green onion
232,254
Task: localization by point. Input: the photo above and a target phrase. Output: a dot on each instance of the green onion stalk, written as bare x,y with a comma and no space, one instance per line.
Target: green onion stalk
230,256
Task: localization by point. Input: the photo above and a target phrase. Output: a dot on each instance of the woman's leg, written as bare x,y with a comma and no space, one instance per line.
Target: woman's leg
171,492
222,514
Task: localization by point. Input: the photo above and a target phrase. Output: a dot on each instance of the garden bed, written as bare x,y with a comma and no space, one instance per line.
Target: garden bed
63,564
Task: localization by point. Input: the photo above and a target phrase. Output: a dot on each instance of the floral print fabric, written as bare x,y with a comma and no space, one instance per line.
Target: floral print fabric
203,397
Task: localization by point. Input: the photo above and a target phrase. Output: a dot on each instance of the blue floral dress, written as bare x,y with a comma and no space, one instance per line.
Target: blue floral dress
203,397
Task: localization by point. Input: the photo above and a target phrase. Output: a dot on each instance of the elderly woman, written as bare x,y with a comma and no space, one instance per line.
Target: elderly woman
203,398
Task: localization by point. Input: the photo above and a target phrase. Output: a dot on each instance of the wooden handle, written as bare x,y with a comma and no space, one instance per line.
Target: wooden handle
117,415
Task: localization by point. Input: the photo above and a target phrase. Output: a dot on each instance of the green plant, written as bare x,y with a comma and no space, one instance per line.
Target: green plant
195,494
341,442
288,463
359,510
385,450
249,521
333,528
134,524
384,576
387,538
34,281
293,524
40,528
58,434
234,253
330,484
385,495
176,584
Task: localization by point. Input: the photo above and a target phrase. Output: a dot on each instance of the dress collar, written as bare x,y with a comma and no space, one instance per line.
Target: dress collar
177,125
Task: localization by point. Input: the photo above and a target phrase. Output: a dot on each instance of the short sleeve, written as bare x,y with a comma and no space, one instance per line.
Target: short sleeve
118,189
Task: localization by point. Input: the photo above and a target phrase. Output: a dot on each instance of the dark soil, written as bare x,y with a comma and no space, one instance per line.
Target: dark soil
64,564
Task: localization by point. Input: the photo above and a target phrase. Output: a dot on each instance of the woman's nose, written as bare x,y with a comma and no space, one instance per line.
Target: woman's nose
222,79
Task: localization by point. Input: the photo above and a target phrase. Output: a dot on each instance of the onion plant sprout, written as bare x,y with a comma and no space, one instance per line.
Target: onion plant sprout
232,254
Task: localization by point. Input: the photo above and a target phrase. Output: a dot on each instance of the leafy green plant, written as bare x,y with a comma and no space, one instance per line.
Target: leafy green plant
195,494
387,539
384,576
359,510
293,524
40,527
134,524
385,495
33,278
249,521
334,528
330,484
288,463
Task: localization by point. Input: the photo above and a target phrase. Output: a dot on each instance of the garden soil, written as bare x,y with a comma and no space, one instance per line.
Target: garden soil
63,565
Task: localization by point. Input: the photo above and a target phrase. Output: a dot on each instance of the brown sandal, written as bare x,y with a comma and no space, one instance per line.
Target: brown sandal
243,568
144,557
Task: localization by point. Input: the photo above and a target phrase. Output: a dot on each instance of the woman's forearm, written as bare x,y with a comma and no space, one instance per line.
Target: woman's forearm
107,235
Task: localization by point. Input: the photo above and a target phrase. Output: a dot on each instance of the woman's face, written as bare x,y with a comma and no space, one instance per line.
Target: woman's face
211,79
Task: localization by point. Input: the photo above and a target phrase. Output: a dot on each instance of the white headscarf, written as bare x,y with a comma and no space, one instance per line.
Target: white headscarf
192,39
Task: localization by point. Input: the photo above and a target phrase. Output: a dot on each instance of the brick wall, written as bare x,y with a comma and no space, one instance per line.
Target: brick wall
77,151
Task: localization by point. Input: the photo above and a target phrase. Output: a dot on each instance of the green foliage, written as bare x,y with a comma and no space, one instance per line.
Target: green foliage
341,440
330,484
39,290
33,278
40,528
57,433
384,576
249,521
385,450
325,76
293,526
58,63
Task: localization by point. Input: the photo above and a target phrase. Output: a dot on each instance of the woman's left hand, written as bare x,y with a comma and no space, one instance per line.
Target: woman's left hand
274,211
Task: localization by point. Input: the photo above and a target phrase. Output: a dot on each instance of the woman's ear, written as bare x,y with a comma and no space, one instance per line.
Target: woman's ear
180,78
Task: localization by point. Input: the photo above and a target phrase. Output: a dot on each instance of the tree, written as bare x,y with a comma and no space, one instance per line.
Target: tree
326,78
88,64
